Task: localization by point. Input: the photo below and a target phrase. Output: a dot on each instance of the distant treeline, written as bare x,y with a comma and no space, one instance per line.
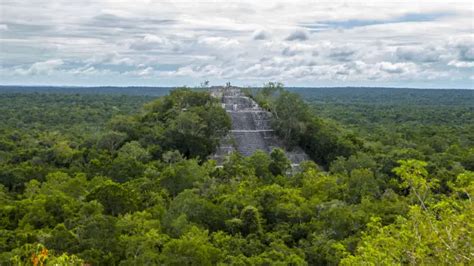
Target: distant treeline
371,95
134,91
387,96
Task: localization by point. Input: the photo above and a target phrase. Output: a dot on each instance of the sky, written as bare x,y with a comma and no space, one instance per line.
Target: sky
413,43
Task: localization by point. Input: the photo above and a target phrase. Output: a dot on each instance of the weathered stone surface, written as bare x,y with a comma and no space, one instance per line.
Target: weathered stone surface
251,127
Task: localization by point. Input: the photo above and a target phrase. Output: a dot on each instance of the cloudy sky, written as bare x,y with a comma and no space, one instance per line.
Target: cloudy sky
300,43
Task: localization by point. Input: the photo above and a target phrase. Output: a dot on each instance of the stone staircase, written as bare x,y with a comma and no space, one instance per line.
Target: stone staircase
251,128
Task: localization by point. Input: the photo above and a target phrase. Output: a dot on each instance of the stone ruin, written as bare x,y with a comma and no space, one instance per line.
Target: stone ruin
251,128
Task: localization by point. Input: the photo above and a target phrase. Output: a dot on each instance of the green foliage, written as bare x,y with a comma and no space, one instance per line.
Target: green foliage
361,183
188,121
140,240
114,197
440,234
261,162
279,163
251,222
182,175
197,210
293,121
193,248
95,180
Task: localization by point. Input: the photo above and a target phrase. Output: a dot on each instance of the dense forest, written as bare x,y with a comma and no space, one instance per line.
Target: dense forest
125,179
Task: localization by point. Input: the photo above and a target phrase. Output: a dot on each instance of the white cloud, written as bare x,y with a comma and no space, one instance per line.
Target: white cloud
461,64
153,42
260,35
300,41
418,54
297,35
218,42
343,53
144,72
396,68
41,68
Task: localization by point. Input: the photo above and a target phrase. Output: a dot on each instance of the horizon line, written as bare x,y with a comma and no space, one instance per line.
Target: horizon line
194,87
